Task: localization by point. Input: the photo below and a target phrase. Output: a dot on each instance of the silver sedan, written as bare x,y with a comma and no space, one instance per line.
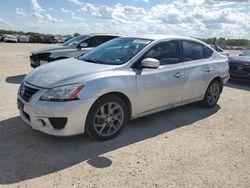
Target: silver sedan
122,79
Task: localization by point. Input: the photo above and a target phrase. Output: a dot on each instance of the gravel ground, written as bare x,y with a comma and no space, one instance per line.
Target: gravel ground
186,147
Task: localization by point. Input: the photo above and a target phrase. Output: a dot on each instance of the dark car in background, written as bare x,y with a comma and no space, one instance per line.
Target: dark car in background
240,66
74,47
50,39
36,39
23,38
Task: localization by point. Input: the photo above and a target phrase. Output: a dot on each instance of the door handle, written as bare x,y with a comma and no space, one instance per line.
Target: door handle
208,69
177,75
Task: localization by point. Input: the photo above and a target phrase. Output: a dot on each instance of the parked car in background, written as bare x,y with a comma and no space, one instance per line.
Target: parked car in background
50,39
240,66
2,37
220,50
10,38
74,47
23,38
36,39
60,39
122,79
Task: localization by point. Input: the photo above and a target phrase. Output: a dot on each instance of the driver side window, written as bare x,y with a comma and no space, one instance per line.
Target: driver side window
165,52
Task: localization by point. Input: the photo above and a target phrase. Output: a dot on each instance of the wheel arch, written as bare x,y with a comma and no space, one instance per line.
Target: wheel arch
121,96
219,79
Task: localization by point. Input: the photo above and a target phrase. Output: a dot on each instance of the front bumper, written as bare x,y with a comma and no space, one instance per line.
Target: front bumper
239,71
240,77
36,113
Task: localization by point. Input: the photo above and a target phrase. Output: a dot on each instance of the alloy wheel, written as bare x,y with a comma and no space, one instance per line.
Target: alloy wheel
213,94
108,119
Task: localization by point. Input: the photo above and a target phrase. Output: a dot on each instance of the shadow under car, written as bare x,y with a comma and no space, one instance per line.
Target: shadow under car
27,154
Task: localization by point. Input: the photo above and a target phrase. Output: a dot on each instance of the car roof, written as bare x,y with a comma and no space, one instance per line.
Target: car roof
101,34
162,36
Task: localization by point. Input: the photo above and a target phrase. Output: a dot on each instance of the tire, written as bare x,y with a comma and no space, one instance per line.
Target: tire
212,94
104,124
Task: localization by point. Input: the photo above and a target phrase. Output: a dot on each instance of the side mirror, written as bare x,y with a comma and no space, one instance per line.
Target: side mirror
150,63
83,45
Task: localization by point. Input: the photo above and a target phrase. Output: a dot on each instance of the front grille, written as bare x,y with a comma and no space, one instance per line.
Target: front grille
35,58
27,92
239,69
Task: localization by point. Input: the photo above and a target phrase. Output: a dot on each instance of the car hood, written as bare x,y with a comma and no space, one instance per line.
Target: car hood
239,59
53,48
65,72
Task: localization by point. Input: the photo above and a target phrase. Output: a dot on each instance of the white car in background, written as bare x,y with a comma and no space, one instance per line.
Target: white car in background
74,47
10,38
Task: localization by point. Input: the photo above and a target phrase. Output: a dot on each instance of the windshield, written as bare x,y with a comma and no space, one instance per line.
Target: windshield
247,53
75,41
116,52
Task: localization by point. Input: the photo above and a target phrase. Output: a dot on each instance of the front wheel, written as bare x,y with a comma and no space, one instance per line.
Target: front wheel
212,94
106,118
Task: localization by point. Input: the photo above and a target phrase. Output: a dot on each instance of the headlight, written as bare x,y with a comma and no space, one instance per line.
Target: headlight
63,93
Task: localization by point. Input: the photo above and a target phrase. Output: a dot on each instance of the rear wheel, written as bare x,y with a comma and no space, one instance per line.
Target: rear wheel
212,94
106,118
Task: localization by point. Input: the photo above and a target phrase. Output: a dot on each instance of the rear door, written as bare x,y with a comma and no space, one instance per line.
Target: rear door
194,61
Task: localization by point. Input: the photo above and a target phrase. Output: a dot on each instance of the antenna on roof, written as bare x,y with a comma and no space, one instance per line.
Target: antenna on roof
215,46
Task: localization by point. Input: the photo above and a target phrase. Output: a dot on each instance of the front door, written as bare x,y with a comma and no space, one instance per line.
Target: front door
163,86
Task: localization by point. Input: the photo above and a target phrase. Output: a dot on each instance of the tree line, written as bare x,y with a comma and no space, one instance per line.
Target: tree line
227,42
218,41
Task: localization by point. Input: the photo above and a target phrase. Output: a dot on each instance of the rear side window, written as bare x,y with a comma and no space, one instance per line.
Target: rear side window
208,52
165,52
192,51
94,41
107,38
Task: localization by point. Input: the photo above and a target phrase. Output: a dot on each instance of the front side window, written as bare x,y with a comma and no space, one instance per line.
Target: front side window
116,52
192,51
165,52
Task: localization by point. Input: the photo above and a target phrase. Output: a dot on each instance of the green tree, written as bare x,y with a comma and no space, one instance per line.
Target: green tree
76,34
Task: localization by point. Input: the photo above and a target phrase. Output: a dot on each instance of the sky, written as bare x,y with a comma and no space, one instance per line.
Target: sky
193,18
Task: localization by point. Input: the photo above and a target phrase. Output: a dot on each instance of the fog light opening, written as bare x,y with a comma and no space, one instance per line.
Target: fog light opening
42,122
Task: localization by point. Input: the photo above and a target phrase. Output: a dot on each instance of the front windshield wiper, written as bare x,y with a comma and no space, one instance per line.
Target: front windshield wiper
92,61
